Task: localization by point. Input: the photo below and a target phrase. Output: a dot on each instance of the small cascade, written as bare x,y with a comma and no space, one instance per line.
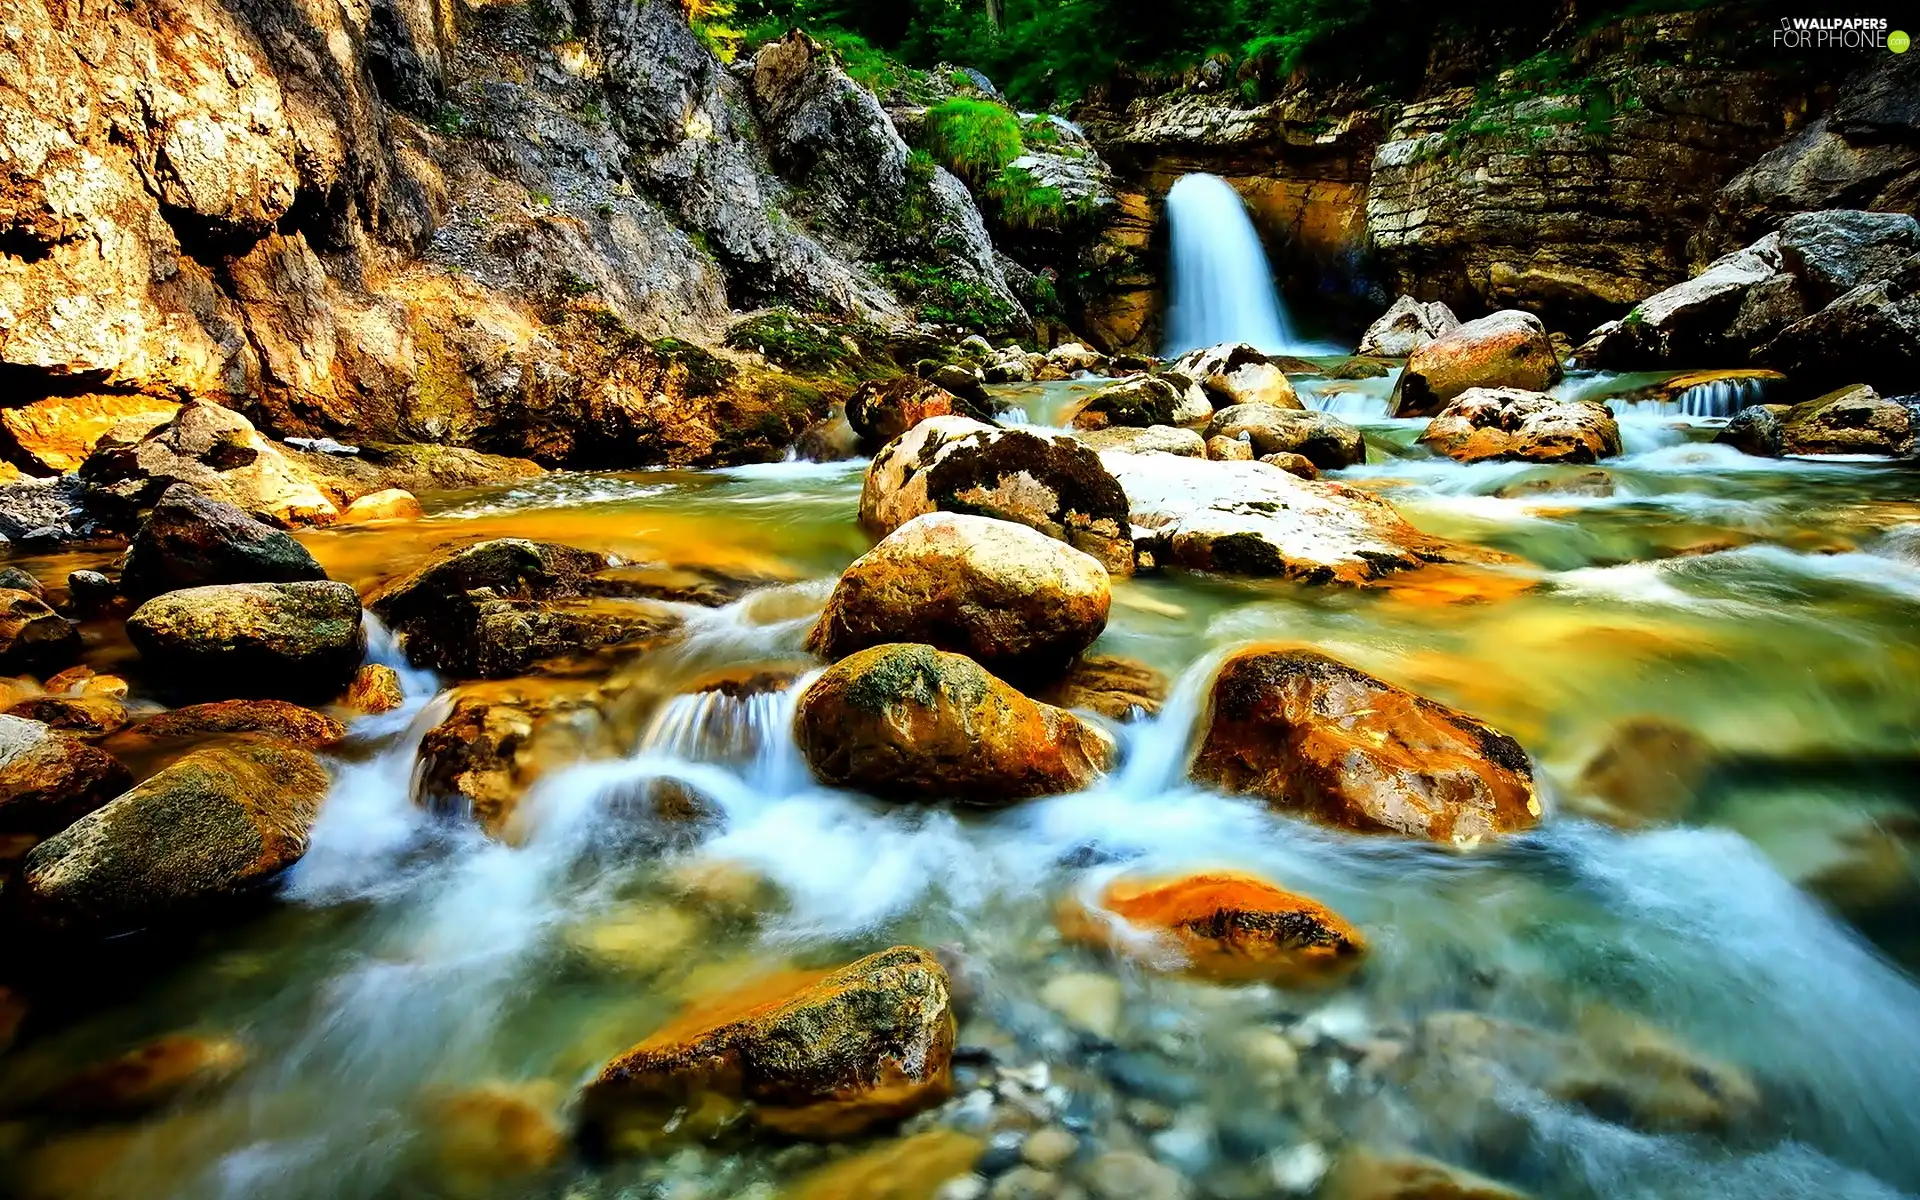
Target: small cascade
1721,397
1222,289
748,733
1350,403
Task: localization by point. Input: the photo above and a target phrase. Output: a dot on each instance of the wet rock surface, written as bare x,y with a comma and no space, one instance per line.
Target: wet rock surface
1408,325
188,541
1313,736
49,779
1485,424
913,723
1143,402
1237,374
1322,439
1006,596
289,640
1508,349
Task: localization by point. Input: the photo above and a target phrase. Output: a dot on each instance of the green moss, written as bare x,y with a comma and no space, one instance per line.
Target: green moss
1022,202
975,139
706,374
804,345
945,298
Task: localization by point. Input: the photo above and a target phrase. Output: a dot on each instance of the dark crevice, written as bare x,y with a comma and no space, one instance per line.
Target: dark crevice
22,385
24,244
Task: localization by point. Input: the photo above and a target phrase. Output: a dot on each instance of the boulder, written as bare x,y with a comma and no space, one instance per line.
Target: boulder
824,1054
1116,688
494,1134
188,540
1850,420
291,640
148,1077
1507,349
376,688
1407,326
1155,439
1237,374
218,453
87,717
204,832
1313,736
492,610
1009,597
1648,771
1363,1174
1486,424
1229,449
1690,323
1462,1065
1249,518
18,579
388,504
276,719
1831,252
1298,465
1756,431
498,740
830,439
1052,484
49,780
1218,925
1871,333
1073,356
908,722
1144,401
32,636
881,412
1323,439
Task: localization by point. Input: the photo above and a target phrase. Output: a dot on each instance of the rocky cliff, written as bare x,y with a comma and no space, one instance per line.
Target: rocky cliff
489,225
1574,184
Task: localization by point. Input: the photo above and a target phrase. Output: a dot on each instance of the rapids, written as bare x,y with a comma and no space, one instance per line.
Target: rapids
1759,603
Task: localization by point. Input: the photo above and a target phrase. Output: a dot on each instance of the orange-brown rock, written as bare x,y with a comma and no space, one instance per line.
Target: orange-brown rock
88,717
49,780
1648,771
1116,688
495,1132
148,1077
1487,424
32,636
55,435
375,689
498,739
1316,737
881,412
1007,596
807,1054
1363,1174
389,504
277,719
911,1168
909,722
1219,925
1507,349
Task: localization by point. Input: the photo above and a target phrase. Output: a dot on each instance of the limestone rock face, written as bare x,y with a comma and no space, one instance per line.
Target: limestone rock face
216,452
808,1054
1852,420
1052,484
1250,518
1321,438
188,541
1009,597
1238,374
1219,925
57,434
204,832
1316,737
49,780
1407,326
1145,401
1507,349
1483,424
910,722
299,640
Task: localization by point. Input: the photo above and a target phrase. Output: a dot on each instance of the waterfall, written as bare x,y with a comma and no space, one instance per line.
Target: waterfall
1222,290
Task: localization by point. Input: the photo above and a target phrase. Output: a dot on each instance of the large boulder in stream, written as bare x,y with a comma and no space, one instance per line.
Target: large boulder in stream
1252,518
881,412
1407,326
204,832
288,640
811,1054
1316,737
1009,597
1236,373
953,464
1217,925
1506,349
1851,420
909,722
1145,401
492,610
218,453
50,779
1321,438
188,540
1486,424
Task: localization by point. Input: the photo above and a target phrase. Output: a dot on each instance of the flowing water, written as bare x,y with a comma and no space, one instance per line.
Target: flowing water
1221,289
1769,606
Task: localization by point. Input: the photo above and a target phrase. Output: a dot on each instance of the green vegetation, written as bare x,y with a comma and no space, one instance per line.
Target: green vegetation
801,344
706,374
945,298
1045,53
975,139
